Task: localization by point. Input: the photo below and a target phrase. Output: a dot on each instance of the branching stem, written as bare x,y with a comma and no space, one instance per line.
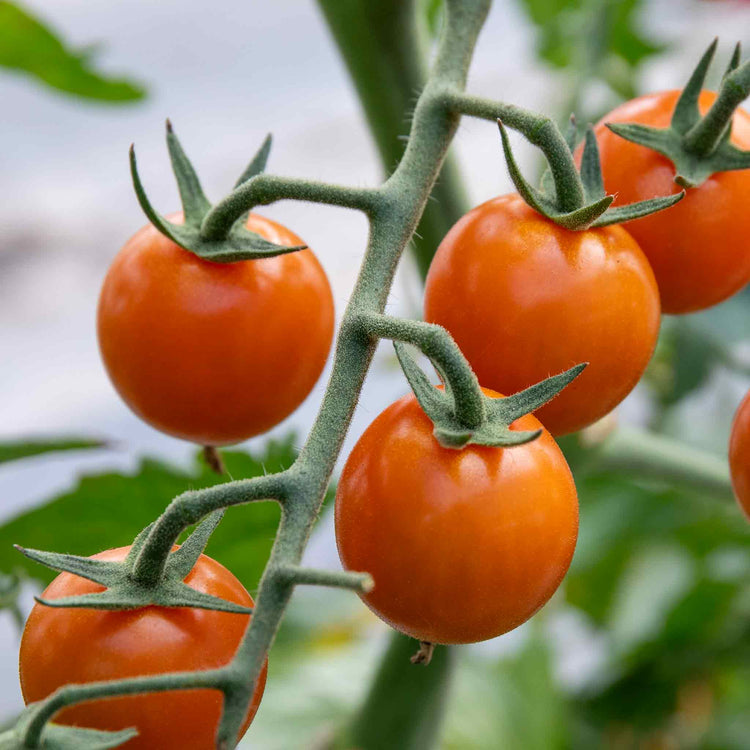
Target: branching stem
541,131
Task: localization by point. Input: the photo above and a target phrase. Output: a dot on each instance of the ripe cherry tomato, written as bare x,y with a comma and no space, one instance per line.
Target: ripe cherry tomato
739,455
214,352
700,248
63,646
463,545
526,299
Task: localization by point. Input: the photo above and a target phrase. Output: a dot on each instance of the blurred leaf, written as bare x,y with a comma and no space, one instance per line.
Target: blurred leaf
16,450
614,46
432,10
512,703
27,45
406,703
108,510
666,575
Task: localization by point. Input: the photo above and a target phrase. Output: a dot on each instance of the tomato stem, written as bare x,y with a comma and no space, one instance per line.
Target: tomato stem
264,189
437,344
537,129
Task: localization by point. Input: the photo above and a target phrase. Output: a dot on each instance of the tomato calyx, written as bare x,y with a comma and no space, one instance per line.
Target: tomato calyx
233,244
61,737
699,146
439,404
124,591
592,206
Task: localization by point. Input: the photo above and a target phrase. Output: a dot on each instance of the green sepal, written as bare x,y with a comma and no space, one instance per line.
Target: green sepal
60,737
122,592
686,112
596,209
699,146
495,430
239,243
258,163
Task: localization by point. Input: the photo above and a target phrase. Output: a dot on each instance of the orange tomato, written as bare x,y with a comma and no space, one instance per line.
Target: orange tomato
63,646
700,248
525,299
214,352
463,545
739,455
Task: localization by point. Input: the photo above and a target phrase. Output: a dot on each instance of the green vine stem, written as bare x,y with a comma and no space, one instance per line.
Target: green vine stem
394,210
385,47
404,706
635,452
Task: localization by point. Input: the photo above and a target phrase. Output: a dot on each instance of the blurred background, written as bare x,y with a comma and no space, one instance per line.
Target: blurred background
647,645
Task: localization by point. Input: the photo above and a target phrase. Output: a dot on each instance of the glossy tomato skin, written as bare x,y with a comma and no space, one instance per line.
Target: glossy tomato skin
463,545
210,352
63,646
526,299
700,248
739,455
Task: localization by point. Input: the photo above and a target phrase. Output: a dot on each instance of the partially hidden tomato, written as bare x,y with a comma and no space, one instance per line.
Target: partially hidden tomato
214,353
739,455
463,545
63,646
699,248
525,299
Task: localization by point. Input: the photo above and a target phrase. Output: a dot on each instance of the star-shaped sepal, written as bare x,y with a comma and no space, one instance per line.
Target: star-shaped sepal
699,146
500,413
122,591
236,242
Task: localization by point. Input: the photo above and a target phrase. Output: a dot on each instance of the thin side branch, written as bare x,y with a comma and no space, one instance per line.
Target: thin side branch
437,344
541,131
192,507
340,579
73,694
266,188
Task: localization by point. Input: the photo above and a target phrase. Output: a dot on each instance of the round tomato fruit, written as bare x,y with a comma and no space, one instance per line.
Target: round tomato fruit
462,545
63,646
700,247
739,455
214,353
525,299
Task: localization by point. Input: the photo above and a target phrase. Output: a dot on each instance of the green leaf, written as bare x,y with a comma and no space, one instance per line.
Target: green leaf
108,510
29,46
14,451
513,703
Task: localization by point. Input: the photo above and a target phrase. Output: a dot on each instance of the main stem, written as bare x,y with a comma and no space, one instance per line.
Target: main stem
403,198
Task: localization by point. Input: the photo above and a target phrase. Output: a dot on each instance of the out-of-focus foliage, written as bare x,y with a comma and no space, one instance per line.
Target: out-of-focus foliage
592,41
108,510
13,451
30,46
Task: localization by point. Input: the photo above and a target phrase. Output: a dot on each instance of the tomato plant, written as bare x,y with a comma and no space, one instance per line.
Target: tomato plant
524,297
739,455
213,352
62,646
462,545
699,249
457,515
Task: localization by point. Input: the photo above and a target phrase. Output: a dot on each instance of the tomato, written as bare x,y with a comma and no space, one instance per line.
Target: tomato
525,299
214,352
62,646
739,455
699,248
463,545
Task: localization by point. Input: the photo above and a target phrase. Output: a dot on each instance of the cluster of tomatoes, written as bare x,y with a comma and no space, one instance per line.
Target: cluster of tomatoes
463,545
